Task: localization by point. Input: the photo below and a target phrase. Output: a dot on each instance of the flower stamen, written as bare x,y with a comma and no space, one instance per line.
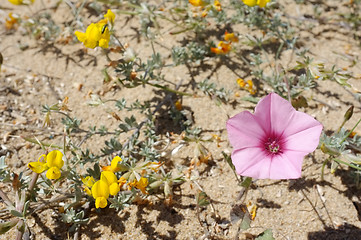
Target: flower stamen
272,146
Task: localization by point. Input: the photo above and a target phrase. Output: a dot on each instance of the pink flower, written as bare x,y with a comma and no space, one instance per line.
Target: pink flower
272,142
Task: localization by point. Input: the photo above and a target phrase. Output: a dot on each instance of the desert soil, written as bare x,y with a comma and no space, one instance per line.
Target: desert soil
47,73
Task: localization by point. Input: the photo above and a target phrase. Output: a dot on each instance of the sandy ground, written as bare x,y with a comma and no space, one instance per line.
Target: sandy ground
45,74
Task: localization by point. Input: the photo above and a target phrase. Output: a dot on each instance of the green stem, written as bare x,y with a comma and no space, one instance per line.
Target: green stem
127,12
182,31
323,168
343,123
346,163
169,89
351,131
40,142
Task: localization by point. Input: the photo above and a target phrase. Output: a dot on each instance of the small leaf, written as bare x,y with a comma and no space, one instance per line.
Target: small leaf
246,221
6,226
16,213
107,77
228,160
246,182
16,183
266,235
250,99
26,206
299,102
123,127
202,199
334,166
240,212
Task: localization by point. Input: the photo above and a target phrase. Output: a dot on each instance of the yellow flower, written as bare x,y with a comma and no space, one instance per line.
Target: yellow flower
88,182
250,89
53,163
222,48
230,37
252,3
110,16
97,34
122,181
16,2
115,165
141,184
112,181
11,21
100,192
108,184
248,85
198,3
217,5
241,82
19,2
154,166
262,3
178,105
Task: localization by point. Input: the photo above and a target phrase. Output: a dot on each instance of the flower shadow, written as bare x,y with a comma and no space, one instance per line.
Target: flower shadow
264,203
109,218
69,58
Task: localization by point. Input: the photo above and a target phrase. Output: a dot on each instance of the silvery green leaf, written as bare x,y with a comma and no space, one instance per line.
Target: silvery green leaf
266,235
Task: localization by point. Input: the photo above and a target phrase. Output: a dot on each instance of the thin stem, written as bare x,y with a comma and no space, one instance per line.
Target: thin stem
33,181
40,142
19,230
342,124
324,206
350,131
6,199
346,163
313,207
323,168
169,89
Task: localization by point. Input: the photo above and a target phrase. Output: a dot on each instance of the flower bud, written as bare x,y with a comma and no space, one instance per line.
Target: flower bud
328,150
348,113
155,184
167,189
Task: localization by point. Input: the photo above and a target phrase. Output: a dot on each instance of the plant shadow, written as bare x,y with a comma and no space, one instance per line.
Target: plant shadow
346,231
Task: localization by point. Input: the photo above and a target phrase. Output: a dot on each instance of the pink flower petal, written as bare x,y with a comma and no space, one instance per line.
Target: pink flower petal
244,131
287,165
275,112
262,113
252,162
305,141
273,142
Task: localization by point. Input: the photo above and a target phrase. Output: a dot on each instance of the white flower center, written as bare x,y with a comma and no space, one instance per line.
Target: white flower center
272,146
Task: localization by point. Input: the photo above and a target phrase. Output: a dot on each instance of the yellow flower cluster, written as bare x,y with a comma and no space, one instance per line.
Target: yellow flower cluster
205,4
248,85
224,47
198,3
97,34
108,184
21,2
11,22
100,190
52,163
252,3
